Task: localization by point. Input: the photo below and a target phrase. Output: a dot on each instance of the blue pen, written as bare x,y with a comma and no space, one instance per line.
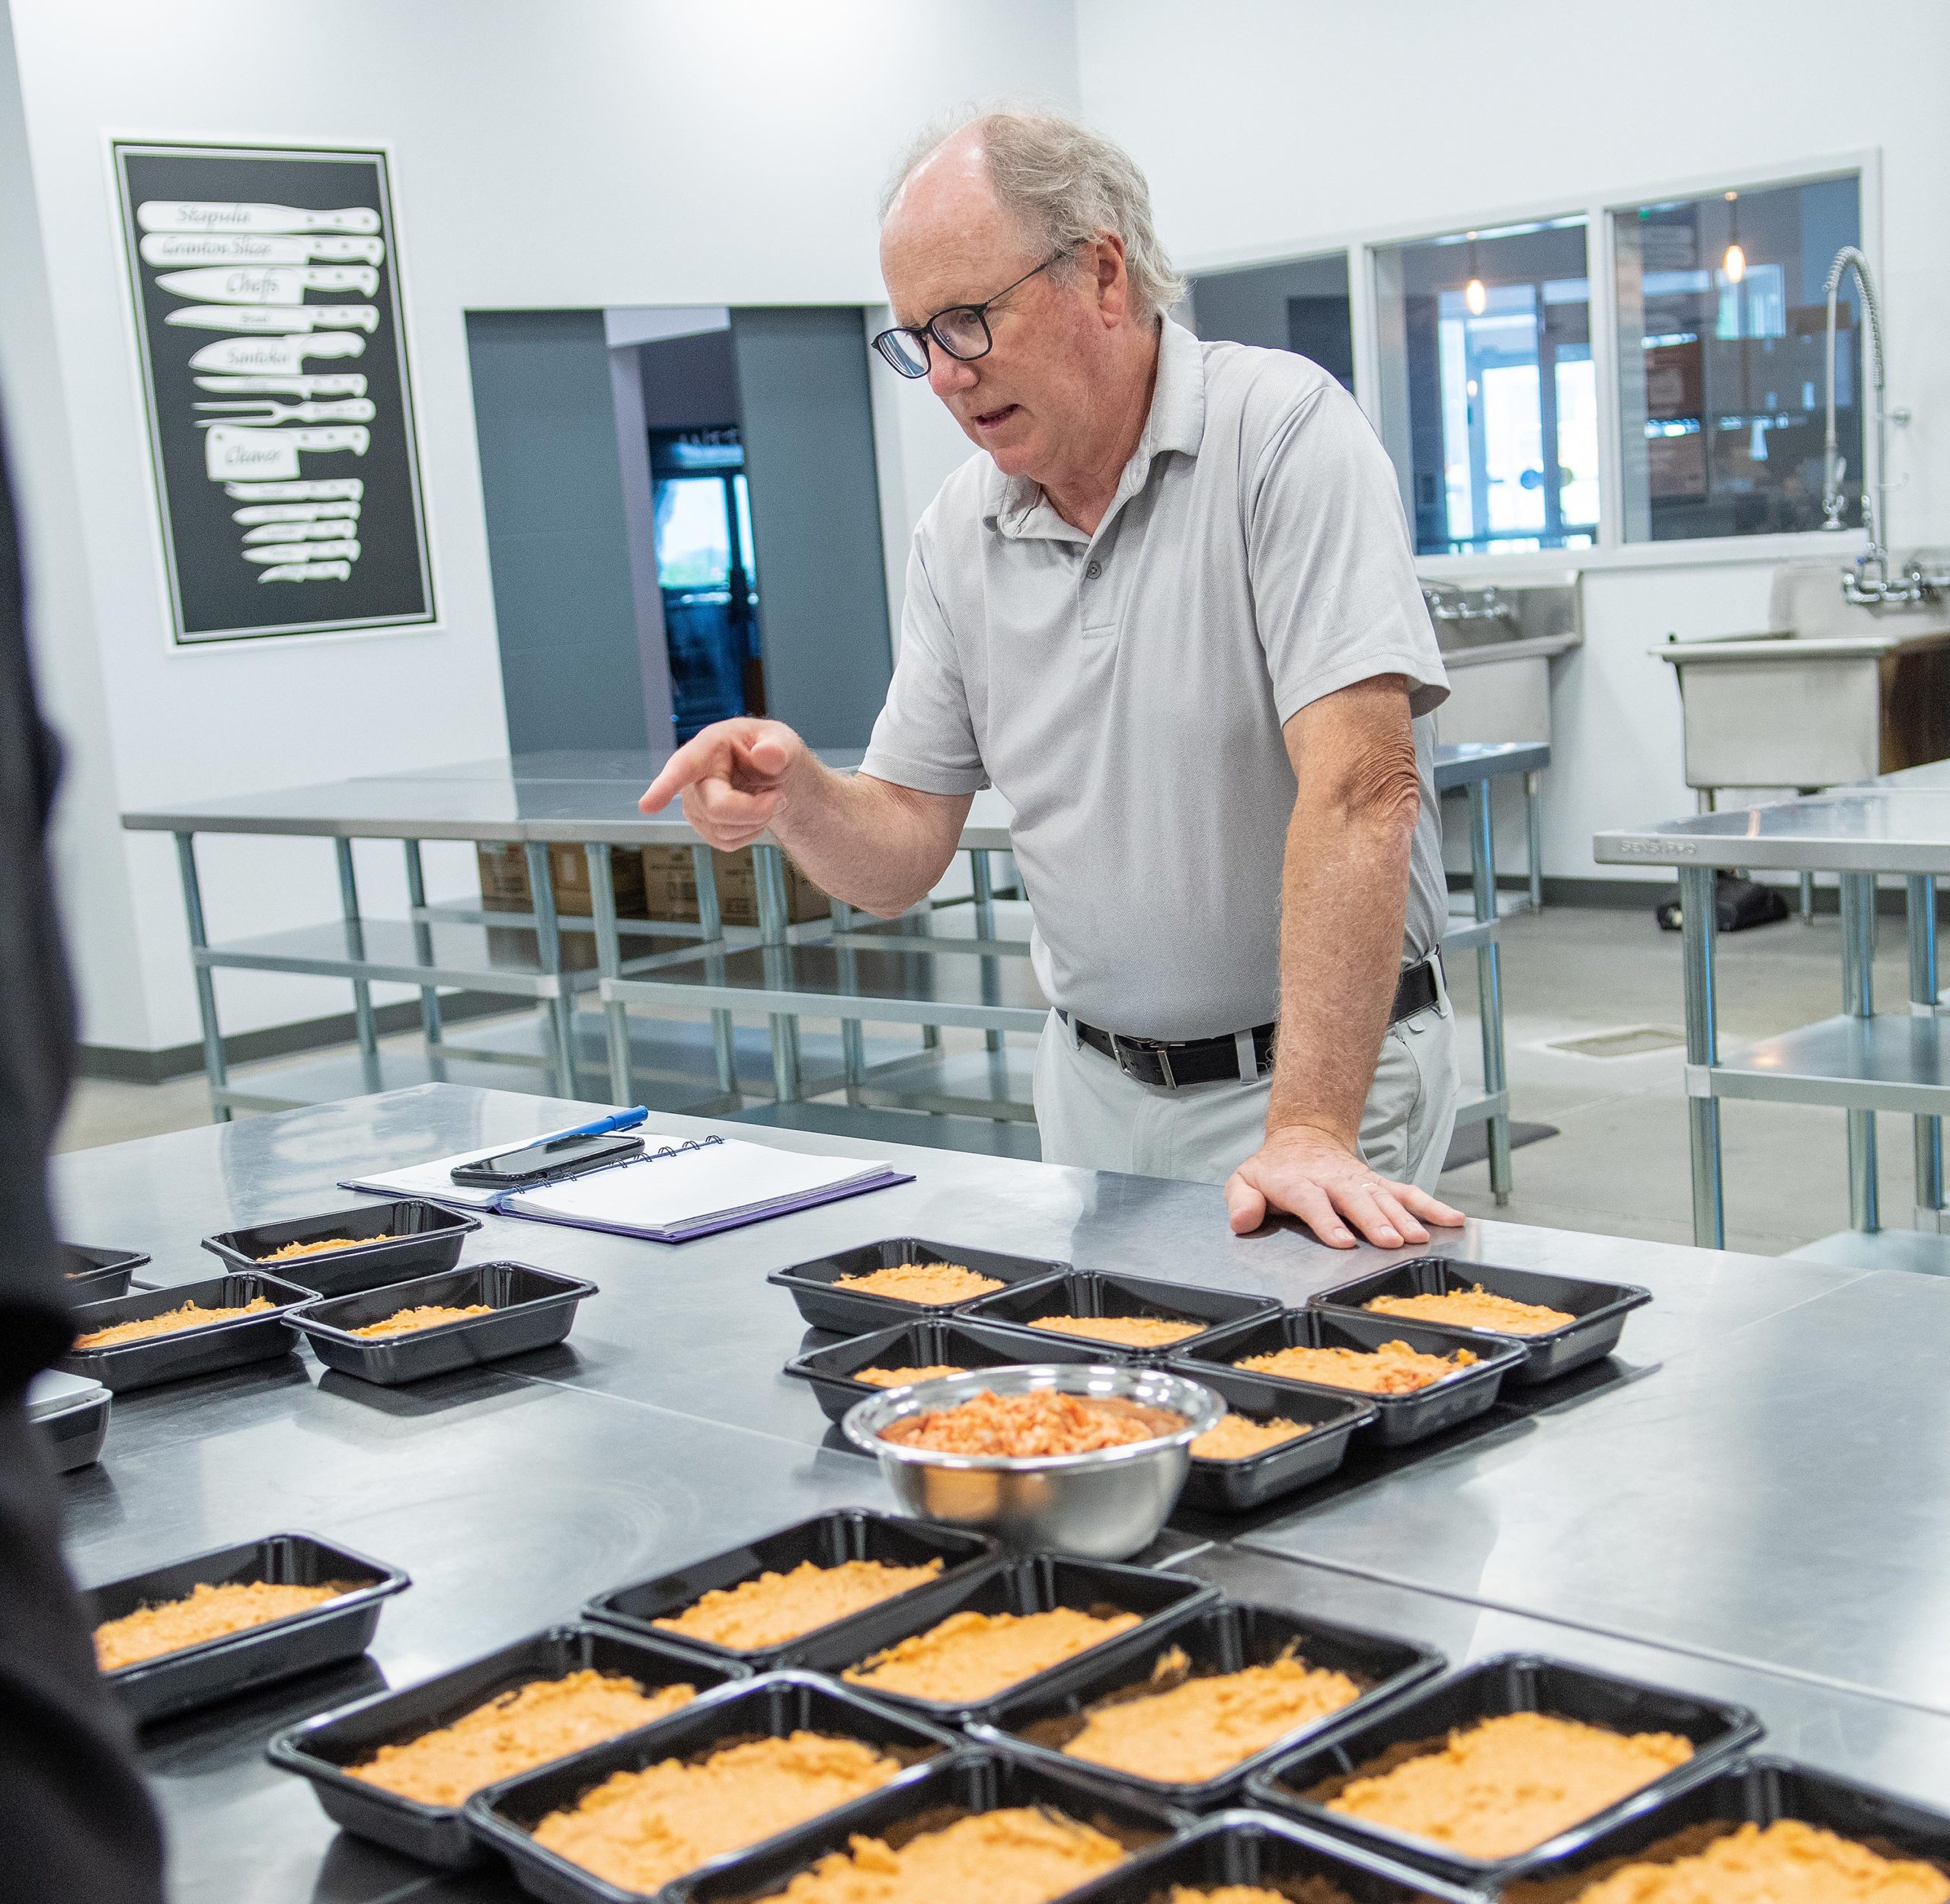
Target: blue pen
622,1121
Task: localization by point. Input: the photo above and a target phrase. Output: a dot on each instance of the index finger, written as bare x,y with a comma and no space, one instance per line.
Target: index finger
687,765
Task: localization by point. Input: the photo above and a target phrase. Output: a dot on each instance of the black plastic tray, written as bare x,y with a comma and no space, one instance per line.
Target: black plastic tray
1601,1307
187,1351
320,1748
841,1534
73,1434
851,1312
1097,1293
1398,1419
1224,1638
1236,1487
1300,1783
1758,1791
1272,1853
971,1781
425,1238
93,1275
533,1308
927,1345
503,1816
1033,1583
320,1635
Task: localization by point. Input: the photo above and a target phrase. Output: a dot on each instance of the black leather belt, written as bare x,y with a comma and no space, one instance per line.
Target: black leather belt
1175,1063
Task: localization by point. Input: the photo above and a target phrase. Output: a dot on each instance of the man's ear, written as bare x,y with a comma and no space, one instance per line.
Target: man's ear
1112,280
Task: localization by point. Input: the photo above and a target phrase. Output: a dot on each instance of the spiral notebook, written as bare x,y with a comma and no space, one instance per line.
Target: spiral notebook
697,1188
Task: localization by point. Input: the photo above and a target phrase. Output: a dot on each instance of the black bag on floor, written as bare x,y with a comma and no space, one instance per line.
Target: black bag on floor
1737,903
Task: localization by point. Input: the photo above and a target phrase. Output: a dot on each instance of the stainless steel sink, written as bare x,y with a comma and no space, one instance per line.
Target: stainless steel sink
1832,691
1497,642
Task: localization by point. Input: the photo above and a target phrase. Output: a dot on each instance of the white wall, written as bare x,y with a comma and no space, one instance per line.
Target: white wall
591,152
1270,128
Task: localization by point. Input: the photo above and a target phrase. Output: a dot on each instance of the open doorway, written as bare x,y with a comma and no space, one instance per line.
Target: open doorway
643,467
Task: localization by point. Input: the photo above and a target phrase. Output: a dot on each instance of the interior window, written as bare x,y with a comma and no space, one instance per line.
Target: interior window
1489,402
1722,340
1301,306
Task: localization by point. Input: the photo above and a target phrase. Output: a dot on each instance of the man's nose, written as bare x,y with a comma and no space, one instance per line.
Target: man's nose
946,374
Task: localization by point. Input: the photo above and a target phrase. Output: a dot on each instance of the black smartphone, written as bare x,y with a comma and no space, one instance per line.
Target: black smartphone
562,1157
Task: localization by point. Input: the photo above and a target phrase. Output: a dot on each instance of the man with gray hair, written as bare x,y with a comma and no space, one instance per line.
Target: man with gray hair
1170,614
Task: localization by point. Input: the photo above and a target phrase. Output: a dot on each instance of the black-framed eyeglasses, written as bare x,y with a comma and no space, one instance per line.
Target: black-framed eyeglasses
962,330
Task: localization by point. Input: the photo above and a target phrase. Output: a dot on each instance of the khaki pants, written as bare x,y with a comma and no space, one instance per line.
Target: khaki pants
1092,1115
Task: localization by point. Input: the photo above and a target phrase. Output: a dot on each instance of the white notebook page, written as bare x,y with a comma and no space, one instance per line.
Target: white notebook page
671,1190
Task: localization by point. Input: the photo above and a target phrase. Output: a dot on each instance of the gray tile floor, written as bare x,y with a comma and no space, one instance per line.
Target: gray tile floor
1619,1163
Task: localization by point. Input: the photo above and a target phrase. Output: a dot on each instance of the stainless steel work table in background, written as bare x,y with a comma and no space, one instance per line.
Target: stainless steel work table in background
1746,1501
1859,1062
951,966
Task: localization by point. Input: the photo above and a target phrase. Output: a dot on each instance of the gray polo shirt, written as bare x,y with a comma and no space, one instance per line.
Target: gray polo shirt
1125,692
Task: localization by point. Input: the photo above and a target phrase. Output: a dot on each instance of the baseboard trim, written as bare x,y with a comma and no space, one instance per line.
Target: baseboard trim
127,1064
1622,894
1630,895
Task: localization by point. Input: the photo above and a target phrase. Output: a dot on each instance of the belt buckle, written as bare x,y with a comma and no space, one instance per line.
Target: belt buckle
1164,1057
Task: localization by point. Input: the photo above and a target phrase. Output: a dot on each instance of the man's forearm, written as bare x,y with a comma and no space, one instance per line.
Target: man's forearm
873,844
1344,896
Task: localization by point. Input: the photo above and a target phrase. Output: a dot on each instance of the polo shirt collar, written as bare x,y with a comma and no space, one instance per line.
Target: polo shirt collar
1015,505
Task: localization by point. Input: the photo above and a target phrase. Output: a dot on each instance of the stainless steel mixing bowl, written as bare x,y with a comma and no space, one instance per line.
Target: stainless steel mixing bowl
1103,1506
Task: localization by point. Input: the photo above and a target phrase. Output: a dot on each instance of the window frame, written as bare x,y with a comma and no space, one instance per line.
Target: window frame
1598,209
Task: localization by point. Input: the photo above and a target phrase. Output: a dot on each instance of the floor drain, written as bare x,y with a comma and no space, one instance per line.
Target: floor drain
1632,1042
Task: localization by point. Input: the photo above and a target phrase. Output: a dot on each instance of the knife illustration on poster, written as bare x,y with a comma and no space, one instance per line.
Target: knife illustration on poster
191,247
277,354
290,256
271,317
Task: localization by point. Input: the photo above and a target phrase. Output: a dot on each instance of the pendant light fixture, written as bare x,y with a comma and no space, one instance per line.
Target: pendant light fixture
1735,263
1474,294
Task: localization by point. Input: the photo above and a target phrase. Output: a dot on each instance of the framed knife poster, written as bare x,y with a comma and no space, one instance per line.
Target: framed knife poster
269,333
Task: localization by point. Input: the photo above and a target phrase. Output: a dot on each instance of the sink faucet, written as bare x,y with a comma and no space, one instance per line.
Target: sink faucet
1446,602
1868,583
1849,258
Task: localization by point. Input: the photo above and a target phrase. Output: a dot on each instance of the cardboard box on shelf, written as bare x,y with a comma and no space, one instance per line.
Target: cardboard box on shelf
670,888
504,868
503,872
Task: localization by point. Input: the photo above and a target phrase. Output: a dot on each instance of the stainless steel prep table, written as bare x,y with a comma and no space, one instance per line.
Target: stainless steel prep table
1858,1061
910,972
1734,1504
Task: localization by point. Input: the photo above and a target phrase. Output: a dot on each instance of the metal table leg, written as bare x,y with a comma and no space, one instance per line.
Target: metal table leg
423,946
931,1035
1489,984
214,1066
362,990
1533,832
985,924
710,924
1924,986
548,950
1858,1001
1806,881
852,1031
609,963
1703,1053
770,879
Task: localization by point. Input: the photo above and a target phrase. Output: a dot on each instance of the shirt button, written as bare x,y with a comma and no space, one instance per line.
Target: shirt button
1091,574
